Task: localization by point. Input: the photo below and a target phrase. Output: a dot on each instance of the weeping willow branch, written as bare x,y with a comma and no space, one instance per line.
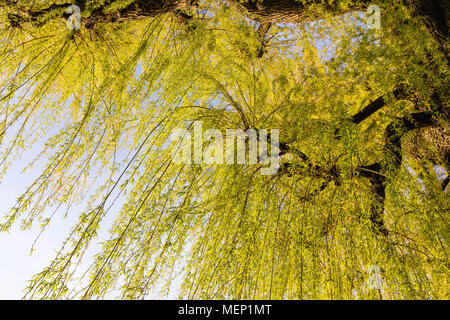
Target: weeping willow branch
392,159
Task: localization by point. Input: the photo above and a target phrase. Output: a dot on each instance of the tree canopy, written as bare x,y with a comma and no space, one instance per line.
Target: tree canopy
363,119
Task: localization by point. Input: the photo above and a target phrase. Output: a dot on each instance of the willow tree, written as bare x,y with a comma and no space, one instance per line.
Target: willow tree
363,121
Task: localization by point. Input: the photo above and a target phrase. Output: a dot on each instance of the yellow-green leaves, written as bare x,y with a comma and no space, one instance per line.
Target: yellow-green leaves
103,103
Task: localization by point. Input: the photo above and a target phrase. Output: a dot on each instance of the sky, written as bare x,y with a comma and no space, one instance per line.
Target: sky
17,266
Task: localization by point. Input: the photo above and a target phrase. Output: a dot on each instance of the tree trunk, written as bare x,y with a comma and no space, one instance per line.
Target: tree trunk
271,11
139,9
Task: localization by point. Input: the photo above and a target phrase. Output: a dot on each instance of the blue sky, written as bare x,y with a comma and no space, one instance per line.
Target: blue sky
17,265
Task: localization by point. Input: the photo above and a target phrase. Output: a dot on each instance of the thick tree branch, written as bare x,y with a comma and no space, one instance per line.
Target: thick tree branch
263,29
230,99
375,172
436,17
399,94
139,9
376,105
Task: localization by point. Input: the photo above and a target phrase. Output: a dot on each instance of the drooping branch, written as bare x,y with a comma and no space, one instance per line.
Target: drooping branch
391,159
307,167
378,184
375,173
434,12
230,99
143,9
